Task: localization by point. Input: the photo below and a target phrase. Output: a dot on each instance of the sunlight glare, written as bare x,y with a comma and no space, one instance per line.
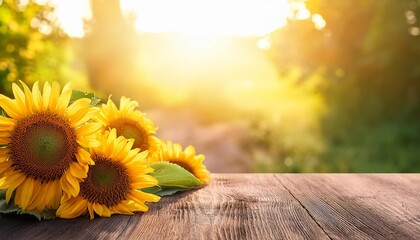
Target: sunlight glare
191,17
207,17
264,43
70,15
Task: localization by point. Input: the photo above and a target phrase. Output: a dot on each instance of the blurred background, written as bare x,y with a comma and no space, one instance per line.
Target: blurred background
255,85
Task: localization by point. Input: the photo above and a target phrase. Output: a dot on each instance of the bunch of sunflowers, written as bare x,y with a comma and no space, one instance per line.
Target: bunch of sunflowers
63,156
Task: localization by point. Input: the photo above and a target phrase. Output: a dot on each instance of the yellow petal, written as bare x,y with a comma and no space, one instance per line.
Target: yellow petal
78,207
55,92
13,182
127,106
72,208
136,205
88,129
143,197
3,183
70,184
76,117
4,151
52,189
77,170
144,181
28,98
105,211
76,106
7,122
121,208
88,142
58,194
85,117
98,209
74,183
90,209
4,157
64,99
83,157
5,166
141,156
4,141
131,154
5,134
46,93
36,202
189,151
24,193
20,98
11,107
37,98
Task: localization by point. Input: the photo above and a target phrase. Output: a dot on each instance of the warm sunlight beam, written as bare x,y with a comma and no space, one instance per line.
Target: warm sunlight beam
192,17
209,17
70,15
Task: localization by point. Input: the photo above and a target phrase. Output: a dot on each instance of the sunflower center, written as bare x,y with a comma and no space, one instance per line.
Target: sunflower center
130,129
42,146
45,143
107,182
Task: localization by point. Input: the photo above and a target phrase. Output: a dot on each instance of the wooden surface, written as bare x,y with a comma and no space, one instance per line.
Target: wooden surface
258,206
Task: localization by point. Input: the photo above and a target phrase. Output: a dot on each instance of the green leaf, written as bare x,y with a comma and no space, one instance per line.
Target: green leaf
165,191
76,94
153,190
170,191
172,175
171,178
12,209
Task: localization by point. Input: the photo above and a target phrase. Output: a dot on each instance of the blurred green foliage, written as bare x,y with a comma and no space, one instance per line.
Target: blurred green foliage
33,47
368,57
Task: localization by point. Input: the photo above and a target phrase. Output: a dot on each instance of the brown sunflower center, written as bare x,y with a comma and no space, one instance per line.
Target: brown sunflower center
131,129
42,146
107,182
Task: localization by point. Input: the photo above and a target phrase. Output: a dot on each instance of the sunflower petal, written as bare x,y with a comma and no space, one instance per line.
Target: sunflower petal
28,98
77,170
88,129
83,157
91,211
6,123
5,166
20,98
72,208
46,93
37,98
64,99
11,107
122,209
55,93
76,106
88,142
24,193
98,208
13,182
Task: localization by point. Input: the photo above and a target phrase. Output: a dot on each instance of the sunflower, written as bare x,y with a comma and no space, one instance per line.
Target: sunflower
43,141
130,123
112,184
187,159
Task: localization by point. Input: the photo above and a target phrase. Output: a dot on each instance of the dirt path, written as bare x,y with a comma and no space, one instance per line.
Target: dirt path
219,142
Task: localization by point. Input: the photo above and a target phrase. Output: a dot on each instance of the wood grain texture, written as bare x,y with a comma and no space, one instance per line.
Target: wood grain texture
365,206
258,206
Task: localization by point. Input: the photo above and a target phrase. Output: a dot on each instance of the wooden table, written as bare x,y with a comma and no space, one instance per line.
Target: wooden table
258,206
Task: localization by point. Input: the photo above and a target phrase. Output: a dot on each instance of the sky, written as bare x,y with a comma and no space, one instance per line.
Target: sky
191,17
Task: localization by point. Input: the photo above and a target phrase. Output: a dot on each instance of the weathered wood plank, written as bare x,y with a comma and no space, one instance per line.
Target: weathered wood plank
360,206
234,206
